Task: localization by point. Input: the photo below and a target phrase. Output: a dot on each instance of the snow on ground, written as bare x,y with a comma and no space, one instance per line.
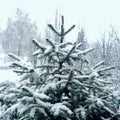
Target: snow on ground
8,75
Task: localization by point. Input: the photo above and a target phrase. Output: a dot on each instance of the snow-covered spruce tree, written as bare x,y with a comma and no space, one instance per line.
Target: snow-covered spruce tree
57,89
8,91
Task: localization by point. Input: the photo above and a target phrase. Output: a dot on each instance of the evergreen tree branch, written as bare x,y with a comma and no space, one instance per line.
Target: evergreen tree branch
69,30
47,65
64,44
21,71
66,57
53,29
19,65
105,69
37,52
98,64
14,57
85,51
37,43
50,42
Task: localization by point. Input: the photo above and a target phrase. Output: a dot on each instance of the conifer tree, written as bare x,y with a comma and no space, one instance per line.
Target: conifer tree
57,89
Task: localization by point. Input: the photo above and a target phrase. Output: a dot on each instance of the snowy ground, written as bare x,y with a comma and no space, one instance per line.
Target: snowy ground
8,75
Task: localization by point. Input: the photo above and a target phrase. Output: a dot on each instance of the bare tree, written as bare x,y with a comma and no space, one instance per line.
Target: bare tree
107,49
18,35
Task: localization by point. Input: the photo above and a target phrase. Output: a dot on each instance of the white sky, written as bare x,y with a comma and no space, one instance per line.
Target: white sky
94,15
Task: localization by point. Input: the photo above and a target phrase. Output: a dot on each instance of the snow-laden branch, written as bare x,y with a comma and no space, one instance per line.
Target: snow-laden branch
17,64
105,69
37,43
59,108
64,44
61,76
98,64
82,77
37,52
14,56
38,97
68,54
85,51
47,65
50,43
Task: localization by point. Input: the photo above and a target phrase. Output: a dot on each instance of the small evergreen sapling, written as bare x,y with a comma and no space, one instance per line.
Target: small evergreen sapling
57,89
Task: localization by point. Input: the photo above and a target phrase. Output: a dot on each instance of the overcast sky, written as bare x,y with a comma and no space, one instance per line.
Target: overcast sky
94,15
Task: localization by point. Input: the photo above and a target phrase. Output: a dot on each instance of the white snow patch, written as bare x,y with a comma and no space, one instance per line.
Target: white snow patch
59,108
8,75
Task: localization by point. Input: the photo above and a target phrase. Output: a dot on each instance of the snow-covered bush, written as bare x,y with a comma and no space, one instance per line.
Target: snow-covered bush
57,89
